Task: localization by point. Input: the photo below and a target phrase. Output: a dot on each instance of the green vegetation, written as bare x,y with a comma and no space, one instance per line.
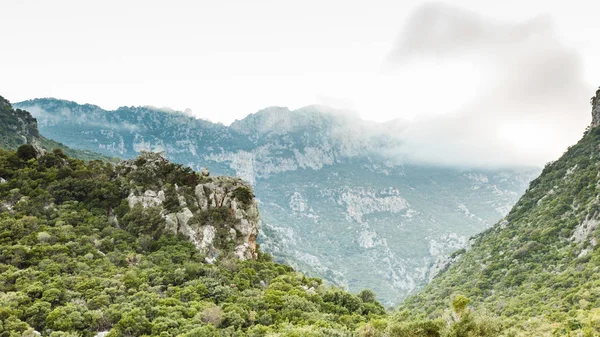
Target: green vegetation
76,260
538,268
66,266
14,130
243,194
300,198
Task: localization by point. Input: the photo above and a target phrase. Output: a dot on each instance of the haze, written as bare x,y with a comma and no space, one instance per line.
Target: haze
483,82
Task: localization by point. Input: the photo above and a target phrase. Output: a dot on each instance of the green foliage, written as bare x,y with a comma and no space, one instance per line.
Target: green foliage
75,259
243,194
425,328
139,221
459,304
26,152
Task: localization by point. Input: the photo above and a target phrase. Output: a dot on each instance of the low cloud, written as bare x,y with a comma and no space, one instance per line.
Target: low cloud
531,102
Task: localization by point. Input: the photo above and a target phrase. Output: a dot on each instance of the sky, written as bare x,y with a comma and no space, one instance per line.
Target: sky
511,78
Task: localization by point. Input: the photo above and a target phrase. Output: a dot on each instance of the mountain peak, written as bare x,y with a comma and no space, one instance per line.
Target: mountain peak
281,120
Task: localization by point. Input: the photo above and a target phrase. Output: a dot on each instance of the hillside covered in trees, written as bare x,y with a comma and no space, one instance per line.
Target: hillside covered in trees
147,247
76,260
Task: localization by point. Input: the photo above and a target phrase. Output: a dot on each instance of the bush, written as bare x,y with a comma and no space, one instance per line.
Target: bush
27,152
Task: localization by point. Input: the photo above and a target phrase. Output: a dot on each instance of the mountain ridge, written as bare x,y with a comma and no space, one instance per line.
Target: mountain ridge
326,175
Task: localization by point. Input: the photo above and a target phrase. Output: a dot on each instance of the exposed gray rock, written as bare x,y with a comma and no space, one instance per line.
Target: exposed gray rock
150,198
583,231
211,194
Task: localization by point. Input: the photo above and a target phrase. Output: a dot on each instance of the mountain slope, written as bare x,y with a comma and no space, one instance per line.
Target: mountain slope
539,265
86,250
333,203
18,127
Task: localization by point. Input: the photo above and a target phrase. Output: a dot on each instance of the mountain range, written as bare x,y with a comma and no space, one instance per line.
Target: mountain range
89,248
334,202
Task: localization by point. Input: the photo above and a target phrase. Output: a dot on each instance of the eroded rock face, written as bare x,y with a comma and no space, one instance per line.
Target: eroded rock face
219,215
584,230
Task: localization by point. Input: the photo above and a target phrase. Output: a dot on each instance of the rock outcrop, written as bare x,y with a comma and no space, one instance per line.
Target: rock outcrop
18,128
219,215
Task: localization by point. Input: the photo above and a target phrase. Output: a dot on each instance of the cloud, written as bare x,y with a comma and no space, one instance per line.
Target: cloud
531,102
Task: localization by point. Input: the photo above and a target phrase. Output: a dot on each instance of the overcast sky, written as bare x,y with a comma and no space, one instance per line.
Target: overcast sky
526,67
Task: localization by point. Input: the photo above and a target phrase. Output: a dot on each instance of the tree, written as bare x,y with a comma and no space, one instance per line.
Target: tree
134,323
26,152
367,296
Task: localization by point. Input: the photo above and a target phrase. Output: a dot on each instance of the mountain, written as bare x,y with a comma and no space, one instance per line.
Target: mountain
334,203
147,247
538,268
18,127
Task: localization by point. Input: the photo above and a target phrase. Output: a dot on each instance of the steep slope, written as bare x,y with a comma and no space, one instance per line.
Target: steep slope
332,203
539,265
18,127
217,214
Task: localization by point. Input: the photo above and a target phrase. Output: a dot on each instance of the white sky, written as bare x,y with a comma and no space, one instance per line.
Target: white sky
226,59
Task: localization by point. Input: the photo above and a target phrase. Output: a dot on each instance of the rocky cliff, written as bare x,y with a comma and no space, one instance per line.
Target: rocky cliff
17,127
217,214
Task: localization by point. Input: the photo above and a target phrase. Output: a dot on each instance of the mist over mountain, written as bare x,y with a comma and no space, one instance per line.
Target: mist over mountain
532,273
529,97
299,168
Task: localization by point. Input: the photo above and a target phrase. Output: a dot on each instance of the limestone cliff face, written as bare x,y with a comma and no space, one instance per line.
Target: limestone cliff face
219,215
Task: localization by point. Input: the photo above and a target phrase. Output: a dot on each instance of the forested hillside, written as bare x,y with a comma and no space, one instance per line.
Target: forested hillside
149,247
77,260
